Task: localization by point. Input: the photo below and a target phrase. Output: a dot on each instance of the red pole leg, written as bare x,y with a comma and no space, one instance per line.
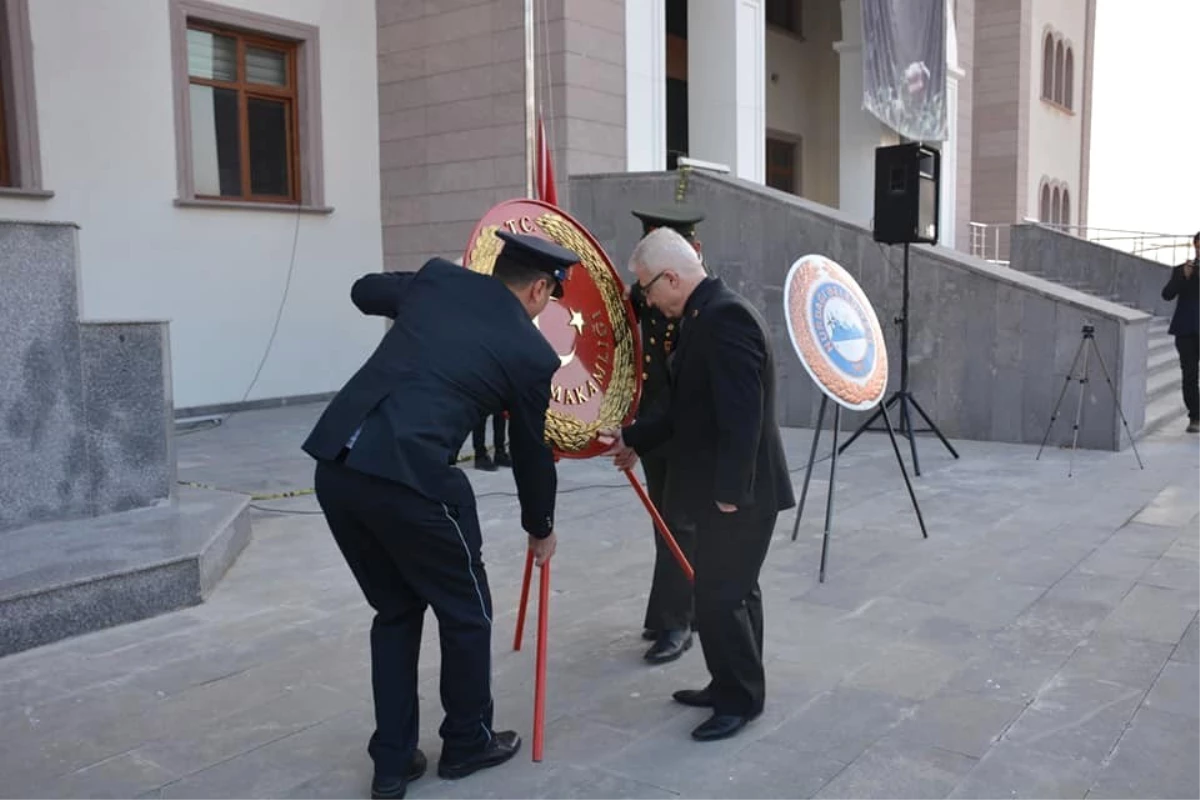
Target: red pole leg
672,545
520,632
539,696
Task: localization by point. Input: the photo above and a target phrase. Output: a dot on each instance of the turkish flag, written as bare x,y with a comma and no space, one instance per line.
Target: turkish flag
543,176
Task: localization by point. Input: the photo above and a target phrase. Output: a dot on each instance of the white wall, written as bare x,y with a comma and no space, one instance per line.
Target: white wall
802,96
107,132
1055,136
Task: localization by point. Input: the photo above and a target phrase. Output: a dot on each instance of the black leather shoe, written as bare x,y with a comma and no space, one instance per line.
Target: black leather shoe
649,634
503,746
697,698
670,646
719,726
484,462
503,459
391,788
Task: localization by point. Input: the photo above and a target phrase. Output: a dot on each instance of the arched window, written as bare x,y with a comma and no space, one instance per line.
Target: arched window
1044,207
1069,80
1048,68
1065,215
1058,72
1055,201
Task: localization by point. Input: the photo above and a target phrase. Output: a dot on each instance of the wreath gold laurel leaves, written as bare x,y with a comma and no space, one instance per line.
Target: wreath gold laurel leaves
567,433
842,387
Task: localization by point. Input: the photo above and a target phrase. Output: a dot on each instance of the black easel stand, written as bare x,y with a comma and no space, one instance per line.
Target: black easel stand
1089,336
903,395
812,457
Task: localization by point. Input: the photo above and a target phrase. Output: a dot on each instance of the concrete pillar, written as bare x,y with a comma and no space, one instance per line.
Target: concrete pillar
645,86
948,222
727,105
859,132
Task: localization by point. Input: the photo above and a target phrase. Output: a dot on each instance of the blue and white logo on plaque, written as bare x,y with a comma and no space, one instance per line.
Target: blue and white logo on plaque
835,332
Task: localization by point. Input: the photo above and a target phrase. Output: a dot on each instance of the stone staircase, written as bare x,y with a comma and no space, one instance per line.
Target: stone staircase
1164,400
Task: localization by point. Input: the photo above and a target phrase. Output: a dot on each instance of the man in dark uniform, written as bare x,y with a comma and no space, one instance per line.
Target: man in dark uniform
669,610
463,347
726,467
1185,327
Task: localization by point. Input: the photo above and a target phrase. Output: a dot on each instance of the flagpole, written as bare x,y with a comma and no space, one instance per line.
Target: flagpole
530,101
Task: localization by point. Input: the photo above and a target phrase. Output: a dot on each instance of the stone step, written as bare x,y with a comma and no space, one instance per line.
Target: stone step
1158,344
1162,359
1162,383
1159,326
65,578
1165,410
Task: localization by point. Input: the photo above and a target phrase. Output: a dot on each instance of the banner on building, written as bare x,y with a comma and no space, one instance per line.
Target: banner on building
904,66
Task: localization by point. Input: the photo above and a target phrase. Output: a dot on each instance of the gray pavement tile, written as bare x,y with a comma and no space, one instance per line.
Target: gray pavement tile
1151,613
841,723
1173,506
1001,673
1176,691
1156,757
1105,657
907,670
1077,717
991,603
1115,563
896,767
126,775
763,771
1088,588
1188,649
1150,541
1172,573
962,722
1013,770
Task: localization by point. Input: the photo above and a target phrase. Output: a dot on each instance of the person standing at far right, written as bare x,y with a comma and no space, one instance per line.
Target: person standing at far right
1184,288
726,467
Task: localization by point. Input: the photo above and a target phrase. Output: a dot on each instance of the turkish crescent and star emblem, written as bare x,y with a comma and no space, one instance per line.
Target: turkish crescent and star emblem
590,327
835,332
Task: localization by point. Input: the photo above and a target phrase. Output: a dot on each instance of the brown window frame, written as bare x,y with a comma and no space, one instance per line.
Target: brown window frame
307,162
793,146
20,151
247,91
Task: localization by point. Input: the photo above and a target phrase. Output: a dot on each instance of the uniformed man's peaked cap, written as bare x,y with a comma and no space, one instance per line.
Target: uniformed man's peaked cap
537,253
680,217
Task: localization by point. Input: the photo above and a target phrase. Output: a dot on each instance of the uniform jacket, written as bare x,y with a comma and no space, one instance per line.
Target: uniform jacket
1186,319
462,348
720,418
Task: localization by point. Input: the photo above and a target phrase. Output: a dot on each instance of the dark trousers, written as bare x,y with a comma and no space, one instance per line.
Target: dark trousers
408,552
730,550
1189,362
670,606
499,429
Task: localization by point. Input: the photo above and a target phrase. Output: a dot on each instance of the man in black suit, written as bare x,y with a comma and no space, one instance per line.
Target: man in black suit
726,471
463,347
669,611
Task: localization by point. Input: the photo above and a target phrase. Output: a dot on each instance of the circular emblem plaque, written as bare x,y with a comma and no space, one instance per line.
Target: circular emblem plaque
590,327
835,332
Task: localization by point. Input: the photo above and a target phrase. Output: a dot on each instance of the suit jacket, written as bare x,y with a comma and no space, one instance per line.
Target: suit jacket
1186,319
725,442
462,348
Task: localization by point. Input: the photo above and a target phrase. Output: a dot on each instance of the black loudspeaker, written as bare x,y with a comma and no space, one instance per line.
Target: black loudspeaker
907,200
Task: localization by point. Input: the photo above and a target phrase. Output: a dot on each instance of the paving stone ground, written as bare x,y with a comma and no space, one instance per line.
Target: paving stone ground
1041,643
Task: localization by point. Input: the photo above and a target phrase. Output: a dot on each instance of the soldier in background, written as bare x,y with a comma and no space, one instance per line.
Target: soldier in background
669,611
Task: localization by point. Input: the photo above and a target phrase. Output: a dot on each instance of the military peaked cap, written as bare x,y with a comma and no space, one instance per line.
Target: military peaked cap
540,254
679,217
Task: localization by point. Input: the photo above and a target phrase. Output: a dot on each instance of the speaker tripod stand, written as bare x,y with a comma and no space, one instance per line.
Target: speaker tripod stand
1088,338
902,395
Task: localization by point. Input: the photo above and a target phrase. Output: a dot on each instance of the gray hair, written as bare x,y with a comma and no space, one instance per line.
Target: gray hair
663,249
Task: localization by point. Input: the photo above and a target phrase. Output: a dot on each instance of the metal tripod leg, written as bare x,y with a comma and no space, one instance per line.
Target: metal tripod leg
870,421
1117,403
906,421
1078,412
899,460
812,458
1061,395
837,423
932,427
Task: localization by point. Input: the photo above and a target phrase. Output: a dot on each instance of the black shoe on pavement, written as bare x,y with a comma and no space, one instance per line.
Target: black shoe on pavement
503,746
